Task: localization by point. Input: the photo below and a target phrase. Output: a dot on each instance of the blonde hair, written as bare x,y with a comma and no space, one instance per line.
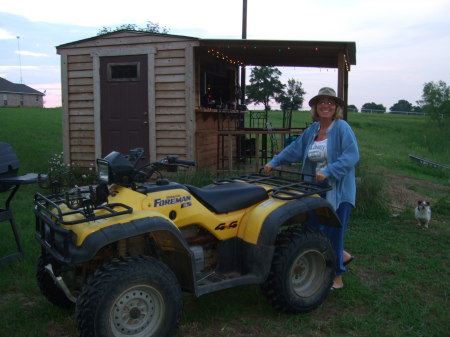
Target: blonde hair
339,114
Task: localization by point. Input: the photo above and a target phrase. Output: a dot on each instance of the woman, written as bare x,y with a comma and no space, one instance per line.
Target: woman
328,150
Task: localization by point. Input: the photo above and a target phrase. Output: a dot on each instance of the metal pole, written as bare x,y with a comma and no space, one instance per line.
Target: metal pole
244,36
244,19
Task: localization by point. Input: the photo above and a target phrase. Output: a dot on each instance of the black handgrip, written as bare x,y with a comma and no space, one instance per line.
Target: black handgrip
141,176
184,162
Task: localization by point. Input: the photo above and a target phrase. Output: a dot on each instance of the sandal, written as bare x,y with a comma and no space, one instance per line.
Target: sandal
333,288
349,260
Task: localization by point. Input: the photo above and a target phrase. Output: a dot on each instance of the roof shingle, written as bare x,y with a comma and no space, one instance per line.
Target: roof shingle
15,88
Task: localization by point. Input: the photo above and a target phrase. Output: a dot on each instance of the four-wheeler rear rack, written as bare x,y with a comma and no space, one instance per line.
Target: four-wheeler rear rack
284,188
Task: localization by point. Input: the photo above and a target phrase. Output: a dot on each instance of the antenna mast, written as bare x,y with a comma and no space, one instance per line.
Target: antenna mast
20,60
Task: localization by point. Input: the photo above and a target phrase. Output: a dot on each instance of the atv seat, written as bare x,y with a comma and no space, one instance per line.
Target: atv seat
230,196
10,182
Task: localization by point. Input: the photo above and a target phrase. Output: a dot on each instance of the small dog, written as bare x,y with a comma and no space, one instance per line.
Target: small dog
423,213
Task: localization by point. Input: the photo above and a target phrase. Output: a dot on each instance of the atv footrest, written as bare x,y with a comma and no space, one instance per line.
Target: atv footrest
214,282
216,277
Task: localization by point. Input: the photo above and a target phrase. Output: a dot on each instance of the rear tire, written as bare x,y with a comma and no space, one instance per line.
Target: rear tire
302,271
132,296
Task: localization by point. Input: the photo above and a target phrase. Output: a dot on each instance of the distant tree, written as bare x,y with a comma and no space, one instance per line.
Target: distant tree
149,28
436,101
416,109
401,105
265,85
373,107
352,108
292,98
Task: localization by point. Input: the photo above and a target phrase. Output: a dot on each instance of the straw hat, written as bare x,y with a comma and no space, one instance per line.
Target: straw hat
326,92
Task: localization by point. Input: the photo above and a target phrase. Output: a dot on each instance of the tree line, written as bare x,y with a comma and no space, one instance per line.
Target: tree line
265,85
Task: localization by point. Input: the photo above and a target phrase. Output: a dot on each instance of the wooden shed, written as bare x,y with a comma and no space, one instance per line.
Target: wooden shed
171,94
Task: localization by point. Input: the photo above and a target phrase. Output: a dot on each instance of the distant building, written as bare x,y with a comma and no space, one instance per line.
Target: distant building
19,95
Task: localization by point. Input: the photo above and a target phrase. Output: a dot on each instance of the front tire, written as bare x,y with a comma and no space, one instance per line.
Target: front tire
302,271
132,296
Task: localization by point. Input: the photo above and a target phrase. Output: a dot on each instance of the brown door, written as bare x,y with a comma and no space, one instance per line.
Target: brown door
124,104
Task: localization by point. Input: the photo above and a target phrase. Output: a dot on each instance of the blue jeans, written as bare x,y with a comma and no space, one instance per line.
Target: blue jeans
335,234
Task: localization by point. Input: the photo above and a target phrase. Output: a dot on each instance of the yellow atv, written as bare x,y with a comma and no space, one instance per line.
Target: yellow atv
123,251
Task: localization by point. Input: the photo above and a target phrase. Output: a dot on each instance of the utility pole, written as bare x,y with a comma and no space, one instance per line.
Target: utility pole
244,19
20,60
244,36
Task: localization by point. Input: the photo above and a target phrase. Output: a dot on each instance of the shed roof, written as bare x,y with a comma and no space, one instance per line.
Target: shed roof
15,88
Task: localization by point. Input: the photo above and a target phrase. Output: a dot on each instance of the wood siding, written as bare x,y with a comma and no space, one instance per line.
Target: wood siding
170,102
80,108
213,149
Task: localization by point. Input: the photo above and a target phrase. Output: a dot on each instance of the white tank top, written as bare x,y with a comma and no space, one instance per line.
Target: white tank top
318,154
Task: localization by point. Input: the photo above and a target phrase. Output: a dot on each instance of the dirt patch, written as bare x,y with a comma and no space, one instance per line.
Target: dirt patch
372,277
404,192
55,329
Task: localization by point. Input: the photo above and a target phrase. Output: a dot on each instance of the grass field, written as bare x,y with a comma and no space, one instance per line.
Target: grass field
398,284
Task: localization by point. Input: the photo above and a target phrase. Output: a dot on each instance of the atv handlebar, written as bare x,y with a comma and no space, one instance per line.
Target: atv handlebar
182,162
120,169
168,163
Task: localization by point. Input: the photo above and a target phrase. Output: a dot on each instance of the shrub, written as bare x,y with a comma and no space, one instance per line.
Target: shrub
371,199
68,176
442,206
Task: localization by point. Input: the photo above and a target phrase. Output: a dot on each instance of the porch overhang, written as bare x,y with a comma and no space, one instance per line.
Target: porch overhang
284,53
287,53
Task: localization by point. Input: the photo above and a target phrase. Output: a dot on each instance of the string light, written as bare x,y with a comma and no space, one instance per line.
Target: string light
346,62
221,56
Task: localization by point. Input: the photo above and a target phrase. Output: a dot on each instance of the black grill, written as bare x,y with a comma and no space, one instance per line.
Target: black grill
10,182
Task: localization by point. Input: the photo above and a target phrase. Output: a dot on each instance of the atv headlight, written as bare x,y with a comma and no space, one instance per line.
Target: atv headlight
104,172
115,169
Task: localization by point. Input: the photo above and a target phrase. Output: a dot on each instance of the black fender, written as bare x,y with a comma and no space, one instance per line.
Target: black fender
322,208
174,250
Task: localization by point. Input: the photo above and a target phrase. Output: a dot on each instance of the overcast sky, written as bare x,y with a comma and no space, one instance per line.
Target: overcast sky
400,44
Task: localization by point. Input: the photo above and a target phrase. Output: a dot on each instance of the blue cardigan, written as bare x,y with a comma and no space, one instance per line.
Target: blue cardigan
342,157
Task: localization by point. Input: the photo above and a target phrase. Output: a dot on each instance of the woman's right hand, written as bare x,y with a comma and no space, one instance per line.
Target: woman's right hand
268,168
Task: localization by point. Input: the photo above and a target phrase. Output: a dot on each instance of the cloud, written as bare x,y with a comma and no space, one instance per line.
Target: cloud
5,35
29,74
13,68
400,45
30,53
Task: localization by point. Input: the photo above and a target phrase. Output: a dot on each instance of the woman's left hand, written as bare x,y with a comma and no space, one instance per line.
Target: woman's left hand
320,176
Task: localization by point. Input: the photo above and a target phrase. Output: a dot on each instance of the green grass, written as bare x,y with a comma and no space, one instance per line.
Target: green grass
387,140
398,284
35,134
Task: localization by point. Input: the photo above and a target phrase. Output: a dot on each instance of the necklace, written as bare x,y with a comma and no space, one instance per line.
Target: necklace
322,134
